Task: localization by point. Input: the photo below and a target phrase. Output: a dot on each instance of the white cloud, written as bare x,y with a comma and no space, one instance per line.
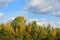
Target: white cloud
33,20
11,18
35,2
1,15
4,3
45,22
54,24
43,6
56,14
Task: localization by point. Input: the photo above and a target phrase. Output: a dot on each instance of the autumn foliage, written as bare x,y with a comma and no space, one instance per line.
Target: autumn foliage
18,29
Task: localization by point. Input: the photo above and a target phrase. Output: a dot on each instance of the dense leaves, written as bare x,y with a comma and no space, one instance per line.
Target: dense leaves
19,30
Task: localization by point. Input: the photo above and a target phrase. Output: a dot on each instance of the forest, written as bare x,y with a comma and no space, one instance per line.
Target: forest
18,29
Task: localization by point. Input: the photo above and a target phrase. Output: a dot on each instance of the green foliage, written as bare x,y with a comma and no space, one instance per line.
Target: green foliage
19,30
18,22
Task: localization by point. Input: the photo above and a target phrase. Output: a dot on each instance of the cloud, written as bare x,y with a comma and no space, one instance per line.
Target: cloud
45,22
43,6
54,24
33,20
11,18
1,15
4,3
57,14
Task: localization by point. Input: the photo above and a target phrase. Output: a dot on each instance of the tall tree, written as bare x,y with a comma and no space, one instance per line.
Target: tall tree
34,30
19,23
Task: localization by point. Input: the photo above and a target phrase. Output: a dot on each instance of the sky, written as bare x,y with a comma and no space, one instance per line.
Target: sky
42,11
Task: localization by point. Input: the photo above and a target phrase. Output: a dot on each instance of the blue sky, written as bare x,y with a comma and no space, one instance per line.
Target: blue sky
43,11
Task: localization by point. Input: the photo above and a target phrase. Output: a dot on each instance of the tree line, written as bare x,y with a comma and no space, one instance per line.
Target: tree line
19,30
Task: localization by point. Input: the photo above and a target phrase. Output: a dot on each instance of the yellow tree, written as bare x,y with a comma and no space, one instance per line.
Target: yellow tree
29,30
9,28
57,33
19,23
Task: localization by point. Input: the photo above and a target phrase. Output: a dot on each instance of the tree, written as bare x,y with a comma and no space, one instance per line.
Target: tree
34,30
49,31
57,33
19,23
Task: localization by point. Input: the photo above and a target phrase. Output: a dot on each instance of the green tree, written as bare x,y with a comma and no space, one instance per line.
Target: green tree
34,30
19,23
49,36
